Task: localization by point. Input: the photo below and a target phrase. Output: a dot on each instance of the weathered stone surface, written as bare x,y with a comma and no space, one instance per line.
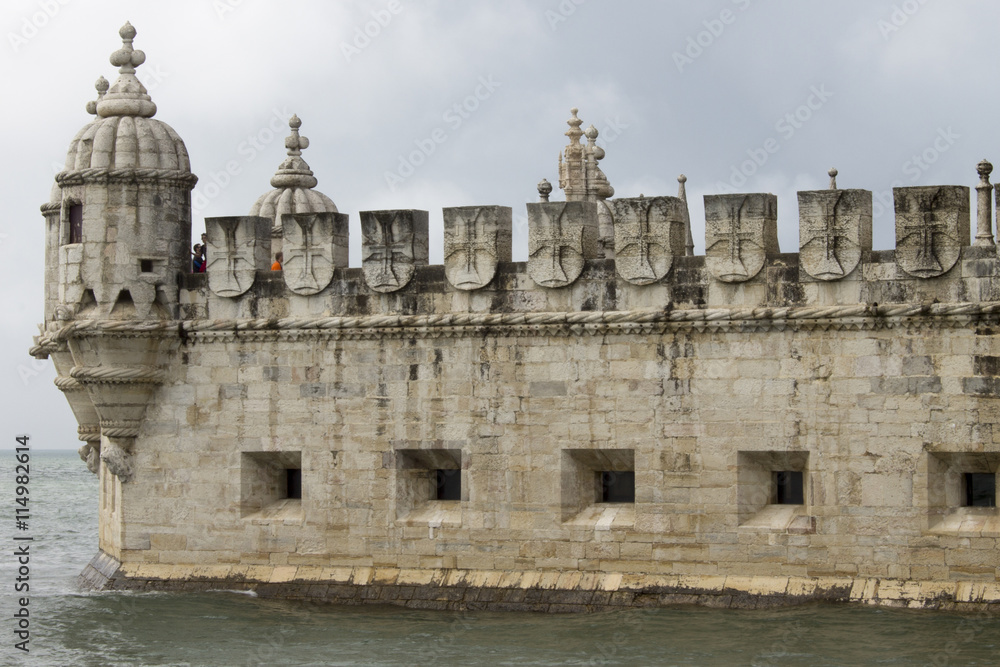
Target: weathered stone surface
932,226
314,245
393,244
561,237
238,247
649,232
740,231
476,240
835,229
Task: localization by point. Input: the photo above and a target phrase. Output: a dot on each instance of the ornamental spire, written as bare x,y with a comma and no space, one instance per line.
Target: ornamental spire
127,97
579,176
294,172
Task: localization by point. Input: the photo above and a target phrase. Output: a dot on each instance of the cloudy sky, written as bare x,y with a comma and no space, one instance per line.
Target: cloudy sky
430,104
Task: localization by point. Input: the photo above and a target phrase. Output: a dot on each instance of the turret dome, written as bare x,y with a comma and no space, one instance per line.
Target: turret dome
293,183
125,135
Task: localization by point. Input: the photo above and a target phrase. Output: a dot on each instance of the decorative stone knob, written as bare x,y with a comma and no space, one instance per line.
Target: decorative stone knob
544,189
984,169
833,178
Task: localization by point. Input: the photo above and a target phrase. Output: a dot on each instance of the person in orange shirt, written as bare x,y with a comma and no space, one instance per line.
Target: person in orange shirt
278,259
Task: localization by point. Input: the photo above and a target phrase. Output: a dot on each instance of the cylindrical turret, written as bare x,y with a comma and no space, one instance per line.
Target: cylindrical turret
119,222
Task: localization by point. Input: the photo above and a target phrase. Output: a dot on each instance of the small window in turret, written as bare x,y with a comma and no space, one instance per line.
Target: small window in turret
788,487
76,223
146,265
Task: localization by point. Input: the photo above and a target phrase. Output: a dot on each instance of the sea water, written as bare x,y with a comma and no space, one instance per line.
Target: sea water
70,627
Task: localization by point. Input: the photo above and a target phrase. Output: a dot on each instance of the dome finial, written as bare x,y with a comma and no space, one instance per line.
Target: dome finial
102,87
127,97
294,172
295,143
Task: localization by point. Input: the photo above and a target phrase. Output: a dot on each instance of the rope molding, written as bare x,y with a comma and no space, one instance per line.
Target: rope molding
861,316
101,174
67,383
116,374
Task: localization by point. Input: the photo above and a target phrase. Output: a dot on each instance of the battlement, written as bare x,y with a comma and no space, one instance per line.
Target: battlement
567,270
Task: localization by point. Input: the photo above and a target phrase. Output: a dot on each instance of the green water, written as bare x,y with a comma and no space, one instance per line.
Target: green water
225,628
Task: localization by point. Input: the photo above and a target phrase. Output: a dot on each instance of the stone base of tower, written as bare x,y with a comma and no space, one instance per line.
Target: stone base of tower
552,592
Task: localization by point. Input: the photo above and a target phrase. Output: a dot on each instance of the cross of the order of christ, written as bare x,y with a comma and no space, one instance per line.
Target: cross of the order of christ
385,246
231,255
310,250
640,237
736,236
553,238
466,239
831,227
925,224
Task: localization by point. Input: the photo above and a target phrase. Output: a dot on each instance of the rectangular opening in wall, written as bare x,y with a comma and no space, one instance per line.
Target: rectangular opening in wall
429,486
448,484
271,485
598,487
293,478
616,486
146,265
788,488
76,223
980,489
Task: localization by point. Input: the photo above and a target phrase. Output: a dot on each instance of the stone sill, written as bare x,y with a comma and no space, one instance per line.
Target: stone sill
434,514
287,511
967,522
791,519
604,516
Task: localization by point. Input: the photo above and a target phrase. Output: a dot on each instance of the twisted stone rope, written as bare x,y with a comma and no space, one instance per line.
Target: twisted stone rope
120,429
99,174
375,325
68,383
116,374
88,432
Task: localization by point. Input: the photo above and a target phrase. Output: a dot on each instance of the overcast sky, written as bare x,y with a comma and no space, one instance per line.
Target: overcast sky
433,104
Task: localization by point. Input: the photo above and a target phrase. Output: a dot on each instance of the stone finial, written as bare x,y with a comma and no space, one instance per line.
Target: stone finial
127,97
833,178
102,87
984,212
574,132
544,189
688,236
294,172
579,176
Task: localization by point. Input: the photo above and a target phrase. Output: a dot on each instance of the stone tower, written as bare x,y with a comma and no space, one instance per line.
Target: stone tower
118,226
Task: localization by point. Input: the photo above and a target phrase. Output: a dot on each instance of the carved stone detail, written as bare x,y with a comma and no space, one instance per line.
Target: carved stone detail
561,237
314,244
393,243
835,229
238,246
932,225
476,240
740,231
647,234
